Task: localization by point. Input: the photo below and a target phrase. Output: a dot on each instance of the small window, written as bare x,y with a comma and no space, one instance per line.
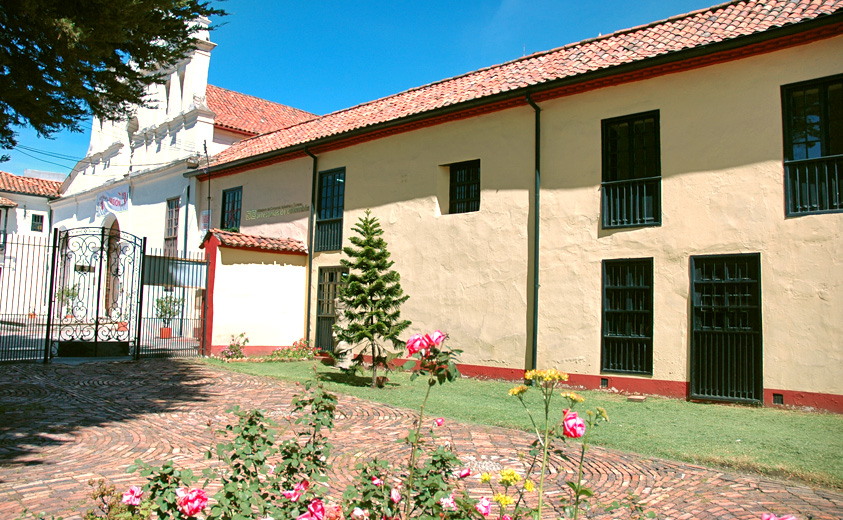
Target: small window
627,316
231,203
631,171
813,146
330,205
37,223
171,232
464,194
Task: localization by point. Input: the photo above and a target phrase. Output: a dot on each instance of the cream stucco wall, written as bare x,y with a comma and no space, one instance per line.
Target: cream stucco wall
261,294
722,192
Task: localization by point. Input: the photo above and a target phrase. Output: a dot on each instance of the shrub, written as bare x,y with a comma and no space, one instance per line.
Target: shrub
234,350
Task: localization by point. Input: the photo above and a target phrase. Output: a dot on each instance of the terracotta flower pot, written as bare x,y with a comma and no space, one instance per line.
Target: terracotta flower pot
166,332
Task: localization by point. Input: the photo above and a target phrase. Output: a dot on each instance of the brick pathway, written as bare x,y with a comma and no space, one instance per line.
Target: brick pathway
63,425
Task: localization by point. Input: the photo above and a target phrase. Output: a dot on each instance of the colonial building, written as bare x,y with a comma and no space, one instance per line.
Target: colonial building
655,210
24,204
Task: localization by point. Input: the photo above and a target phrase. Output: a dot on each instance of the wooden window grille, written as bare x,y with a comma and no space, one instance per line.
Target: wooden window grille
631,171
813,146
329,210
37,223
327,292
464,196
231,203
627,345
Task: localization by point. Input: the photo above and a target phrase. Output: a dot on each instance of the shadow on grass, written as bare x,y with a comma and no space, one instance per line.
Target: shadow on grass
349,379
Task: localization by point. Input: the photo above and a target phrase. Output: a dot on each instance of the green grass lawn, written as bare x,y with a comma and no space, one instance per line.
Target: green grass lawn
784,443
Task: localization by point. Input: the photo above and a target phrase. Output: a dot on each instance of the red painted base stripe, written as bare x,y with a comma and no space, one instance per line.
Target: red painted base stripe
830,402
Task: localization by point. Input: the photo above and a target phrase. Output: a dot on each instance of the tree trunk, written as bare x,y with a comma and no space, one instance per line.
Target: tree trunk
374,367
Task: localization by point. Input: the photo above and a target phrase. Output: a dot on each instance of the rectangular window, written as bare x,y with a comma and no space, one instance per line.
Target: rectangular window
171,230
632,171
464,194
329,210
627,316
330,279
231,203
813,146
37,223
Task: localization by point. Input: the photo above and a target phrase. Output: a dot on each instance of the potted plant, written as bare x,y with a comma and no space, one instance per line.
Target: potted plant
65,297
167,308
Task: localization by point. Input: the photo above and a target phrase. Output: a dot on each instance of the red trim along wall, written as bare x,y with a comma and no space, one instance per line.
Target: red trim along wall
211,246
830,402
249,350
567,90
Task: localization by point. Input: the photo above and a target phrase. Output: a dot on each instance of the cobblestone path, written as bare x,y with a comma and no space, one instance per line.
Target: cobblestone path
63,425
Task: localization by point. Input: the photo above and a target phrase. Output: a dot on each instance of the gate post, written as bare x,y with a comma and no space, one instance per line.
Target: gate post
139,313
52,277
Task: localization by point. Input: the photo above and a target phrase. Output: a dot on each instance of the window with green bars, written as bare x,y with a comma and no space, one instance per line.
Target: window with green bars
631,171
464,193
627,345
232,200
813,146
330,204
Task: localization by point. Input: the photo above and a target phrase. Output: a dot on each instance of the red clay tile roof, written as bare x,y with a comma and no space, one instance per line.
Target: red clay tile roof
28,185
244,113
6,203
716,24
241,241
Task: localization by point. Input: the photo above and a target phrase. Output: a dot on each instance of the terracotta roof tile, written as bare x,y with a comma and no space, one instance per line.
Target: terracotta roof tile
242,241
250,114
6,203
703,27
28,185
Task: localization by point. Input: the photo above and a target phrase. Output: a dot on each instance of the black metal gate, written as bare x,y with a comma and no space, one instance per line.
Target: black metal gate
326,312
96,293
726,355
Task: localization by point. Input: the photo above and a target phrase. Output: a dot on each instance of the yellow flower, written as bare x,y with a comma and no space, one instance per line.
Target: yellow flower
518,390
508,477
485,477
575,398
529,486
549,375
603,414
503,500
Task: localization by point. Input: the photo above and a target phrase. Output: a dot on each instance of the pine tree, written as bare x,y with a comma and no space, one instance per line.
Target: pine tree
371,296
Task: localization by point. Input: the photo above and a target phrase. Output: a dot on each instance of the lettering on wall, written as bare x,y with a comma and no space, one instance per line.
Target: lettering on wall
288,209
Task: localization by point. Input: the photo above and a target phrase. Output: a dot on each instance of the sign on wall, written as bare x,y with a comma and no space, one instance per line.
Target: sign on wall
204,221
113,201
289,209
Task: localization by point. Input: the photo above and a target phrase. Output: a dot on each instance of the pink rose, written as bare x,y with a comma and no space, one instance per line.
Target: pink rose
465,472
438,337
506,517
192,501
297,491
395,495
376,481
315,511
573,426
439,422
415,343
484,507
448,503
359,514
133,496
771,516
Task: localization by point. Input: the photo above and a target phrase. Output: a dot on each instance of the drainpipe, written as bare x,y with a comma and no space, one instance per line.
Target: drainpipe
310,241
5,226
536,225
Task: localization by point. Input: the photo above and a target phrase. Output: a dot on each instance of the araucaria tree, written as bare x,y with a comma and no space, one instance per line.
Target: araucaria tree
371,296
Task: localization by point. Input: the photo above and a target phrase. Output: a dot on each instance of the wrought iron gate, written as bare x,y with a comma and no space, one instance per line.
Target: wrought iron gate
726,361
96,295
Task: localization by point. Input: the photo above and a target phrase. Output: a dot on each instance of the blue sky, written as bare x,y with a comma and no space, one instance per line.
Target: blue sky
329,55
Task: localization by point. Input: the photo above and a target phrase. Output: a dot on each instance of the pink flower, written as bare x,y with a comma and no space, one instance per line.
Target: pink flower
416,343
484,507
395,495
376,481
771,516
465,472
448,503
359,514
192,501
297,491
438,337
573,426
506,517
439,422
133,496
315,511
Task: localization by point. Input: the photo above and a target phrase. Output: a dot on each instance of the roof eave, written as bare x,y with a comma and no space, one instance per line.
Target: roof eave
655,61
